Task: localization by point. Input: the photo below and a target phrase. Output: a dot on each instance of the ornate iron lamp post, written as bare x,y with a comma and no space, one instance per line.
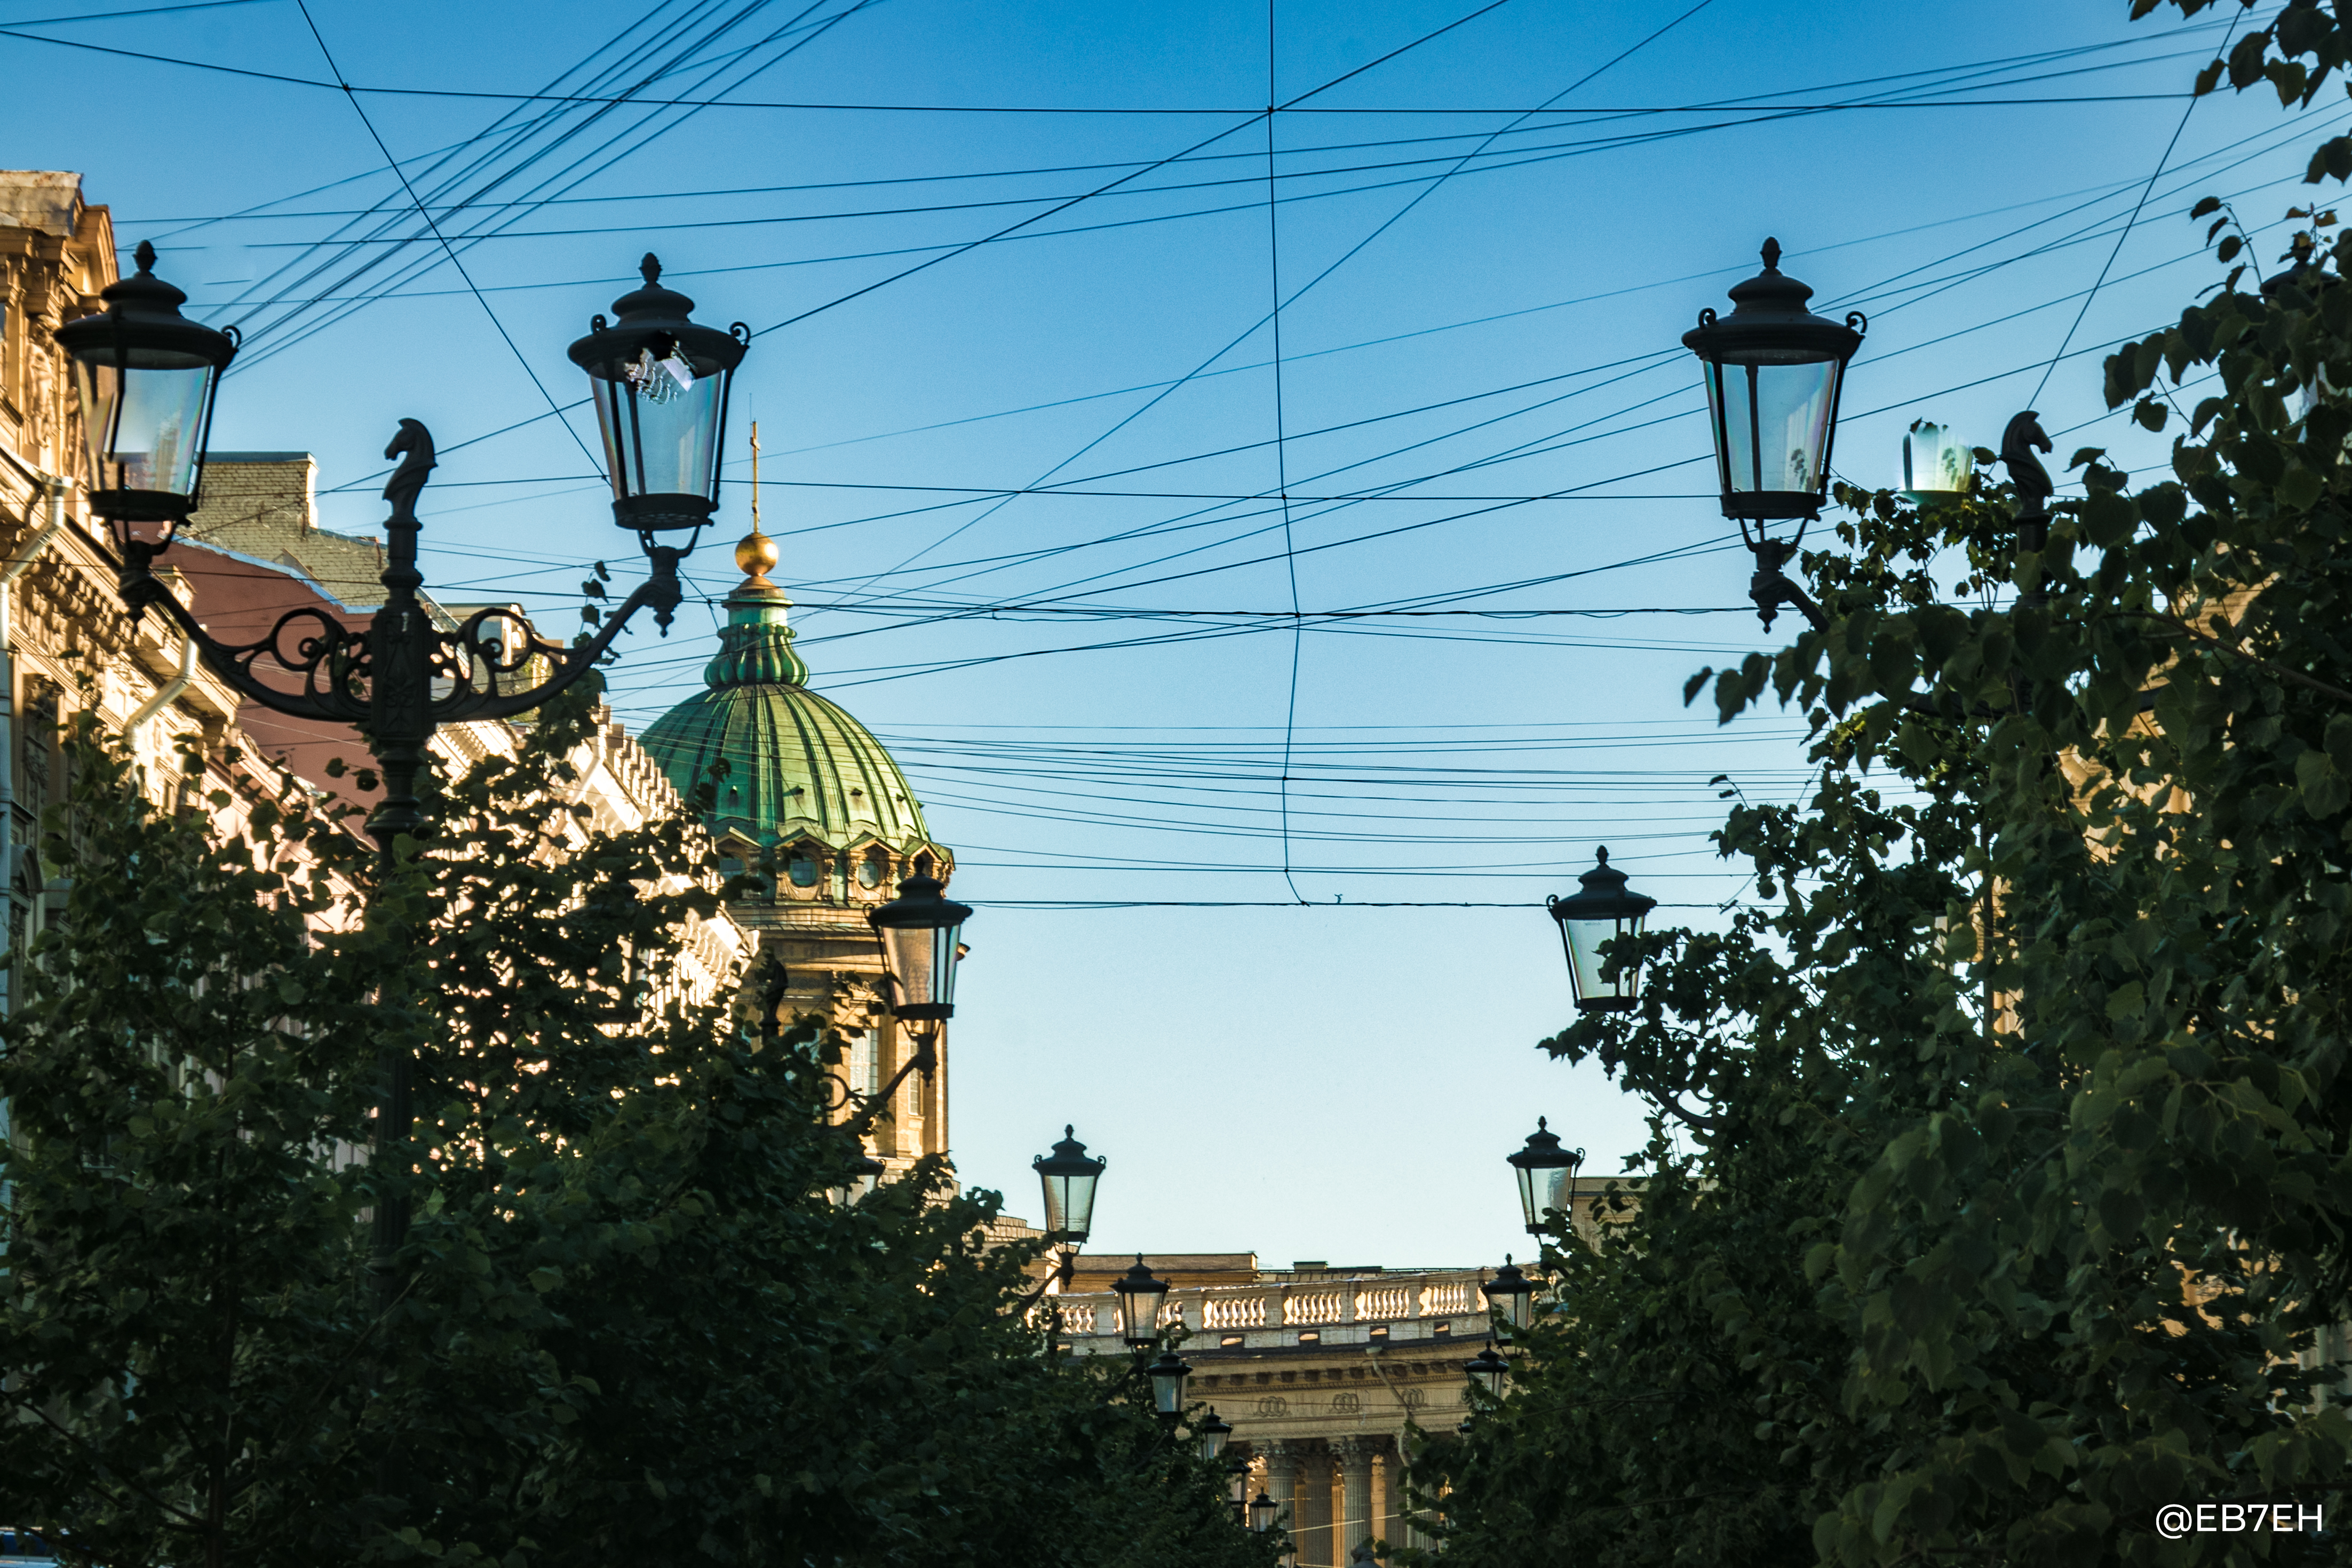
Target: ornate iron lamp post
1139,1296
1510,1295
1774,371
146,378
1167,1375
919,934
1487,1370
1546,1173
1070,1179
1213,1433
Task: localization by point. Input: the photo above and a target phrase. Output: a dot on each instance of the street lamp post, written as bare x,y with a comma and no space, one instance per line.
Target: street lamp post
1510,1295
1213,1433
1167,1375
1070,1179
1546,1173
1603,910
1487,1370
1774,371
146,378
920,933
1139,1295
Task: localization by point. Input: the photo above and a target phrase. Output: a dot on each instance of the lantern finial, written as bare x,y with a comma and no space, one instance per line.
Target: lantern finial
146,256
650,269
1772,254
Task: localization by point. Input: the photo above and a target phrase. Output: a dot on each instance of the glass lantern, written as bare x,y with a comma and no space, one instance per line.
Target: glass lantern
1590,921
1489,1370
1510,1294
1139,1295
1213,1433
1167,1375
660,385
146,377
1936,464
1546,1173
1069,1178
1773,371
921,936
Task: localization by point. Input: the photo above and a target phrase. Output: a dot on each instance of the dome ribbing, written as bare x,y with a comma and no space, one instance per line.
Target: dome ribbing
798,766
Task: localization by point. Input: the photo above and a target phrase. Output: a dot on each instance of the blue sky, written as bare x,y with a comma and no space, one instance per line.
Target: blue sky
1487,247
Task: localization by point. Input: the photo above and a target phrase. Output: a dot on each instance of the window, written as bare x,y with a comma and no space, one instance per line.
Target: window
33,747
1310,1336
1379,1333
1230,1340
872,869
864,1063
801,865
1441,1327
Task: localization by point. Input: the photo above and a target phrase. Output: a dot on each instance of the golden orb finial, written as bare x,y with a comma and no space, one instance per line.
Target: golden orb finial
757,554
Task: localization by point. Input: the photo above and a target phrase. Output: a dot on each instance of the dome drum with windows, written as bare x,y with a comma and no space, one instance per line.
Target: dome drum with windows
801,779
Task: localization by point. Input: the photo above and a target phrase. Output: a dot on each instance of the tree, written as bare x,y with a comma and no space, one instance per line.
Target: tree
2020,1178
625,1320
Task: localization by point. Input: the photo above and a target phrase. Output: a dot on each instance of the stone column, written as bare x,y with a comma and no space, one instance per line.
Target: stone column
1284,1459
1355,1456
1393,1527
1315,1512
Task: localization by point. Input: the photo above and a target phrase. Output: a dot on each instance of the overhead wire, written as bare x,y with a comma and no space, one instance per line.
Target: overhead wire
521,423
2157,174
393,164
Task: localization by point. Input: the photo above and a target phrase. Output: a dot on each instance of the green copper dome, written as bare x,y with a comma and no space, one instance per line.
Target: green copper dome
798,769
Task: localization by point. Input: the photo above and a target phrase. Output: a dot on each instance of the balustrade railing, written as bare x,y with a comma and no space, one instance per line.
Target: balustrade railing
1309,1303
1234,1312
1446,1298
1319,1307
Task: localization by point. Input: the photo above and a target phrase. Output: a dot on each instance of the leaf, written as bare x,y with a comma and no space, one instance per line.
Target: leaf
2205,204
2325,786
2299,489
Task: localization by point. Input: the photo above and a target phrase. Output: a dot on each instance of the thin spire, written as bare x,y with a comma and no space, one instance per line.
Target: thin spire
755,475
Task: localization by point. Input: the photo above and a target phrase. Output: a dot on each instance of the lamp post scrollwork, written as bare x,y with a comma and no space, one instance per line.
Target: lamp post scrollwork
146,378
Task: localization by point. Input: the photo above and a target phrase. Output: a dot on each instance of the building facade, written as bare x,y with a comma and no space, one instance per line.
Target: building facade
1329,1376
797,785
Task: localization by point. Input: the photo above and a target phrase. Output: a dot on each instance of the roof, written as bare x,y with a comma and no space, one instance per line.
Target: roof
798,767
261,506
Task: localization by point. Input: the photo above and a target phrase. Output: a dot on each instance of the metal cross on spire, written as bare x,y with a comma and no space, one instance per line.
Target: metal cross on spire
755,475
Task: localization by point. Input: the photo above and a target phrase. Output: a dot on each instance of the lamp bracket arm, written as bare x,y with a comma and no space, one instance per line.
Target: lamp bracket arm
923,1060
330,657
479,657
1063,1269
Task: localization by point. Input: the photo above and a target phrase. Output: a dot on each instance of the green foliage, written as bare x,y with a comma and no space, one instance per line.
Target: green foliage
626,1321
2019,1160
